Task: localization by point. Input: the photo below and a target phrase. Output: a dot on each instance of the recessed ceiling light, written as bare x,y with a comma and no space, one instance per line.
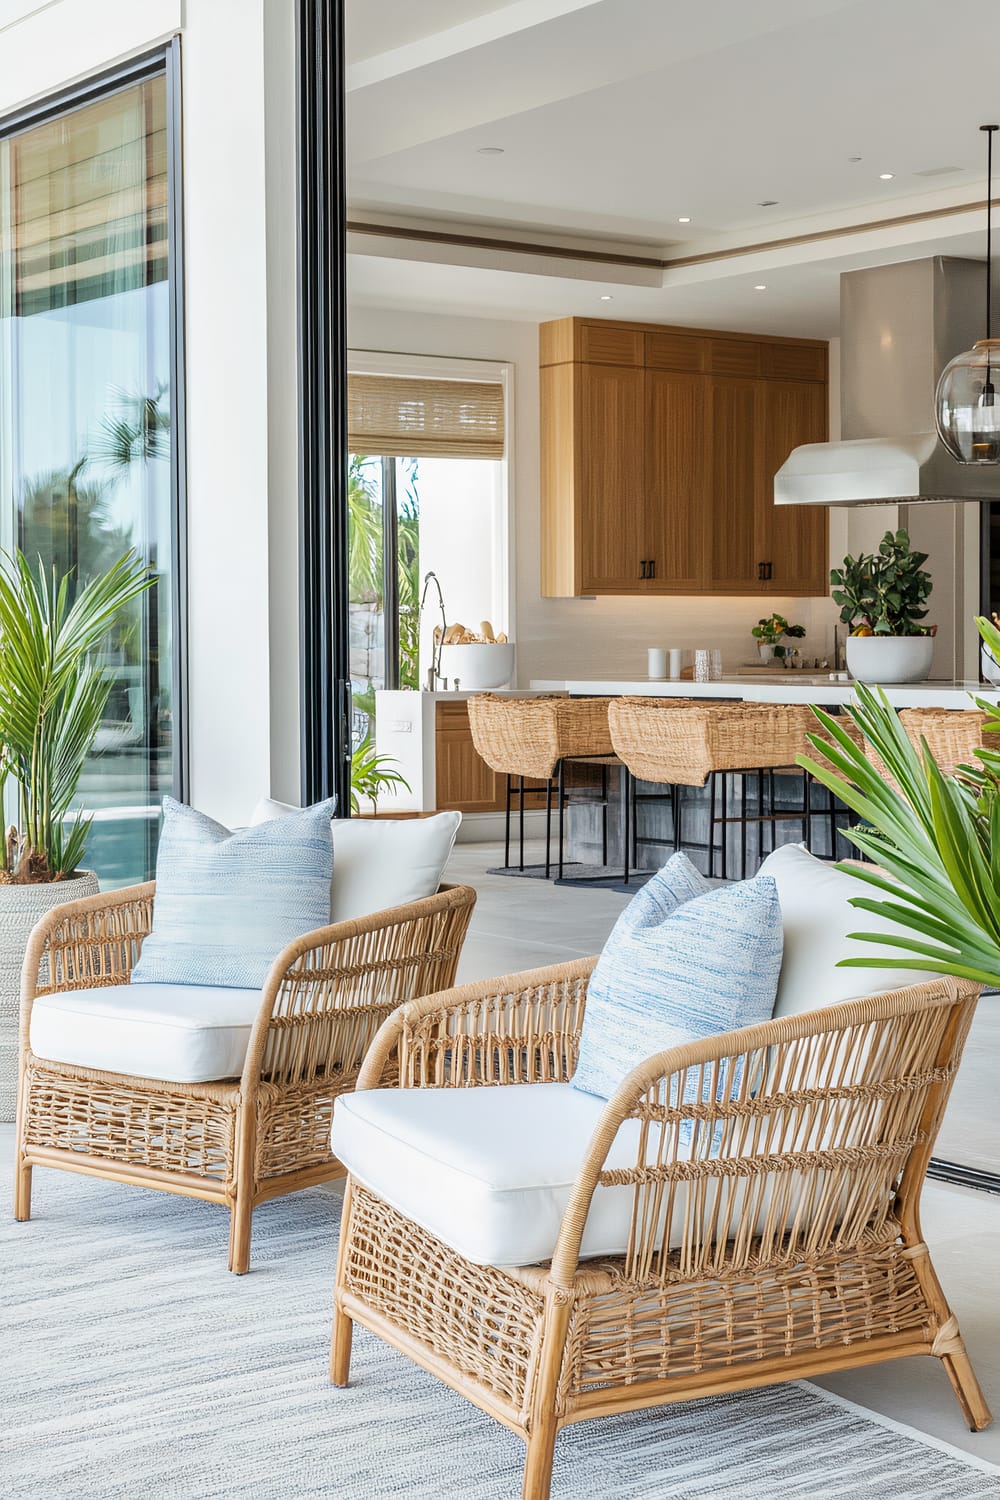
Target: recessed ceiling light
606,297
684,220
886,176
855,158
761,286
490,151
768,203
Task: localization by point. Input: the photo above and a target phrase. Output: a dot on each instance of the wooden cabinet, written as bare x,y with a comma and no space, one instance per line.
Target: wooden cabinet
465,782
659,450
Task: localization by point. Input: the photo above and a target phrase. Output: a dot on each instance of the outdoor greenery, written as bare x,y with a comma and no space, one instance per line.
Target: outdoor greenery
769,631
935,841
371,773
883,593
364,515
52,697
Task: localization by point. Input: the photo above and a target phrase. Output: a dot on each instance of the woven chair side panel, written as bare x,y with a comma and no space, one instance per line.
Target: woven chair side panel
131,1122
478,1318
530,1035
953,736
785,1150
334,998
94,948
294,1124
633,1333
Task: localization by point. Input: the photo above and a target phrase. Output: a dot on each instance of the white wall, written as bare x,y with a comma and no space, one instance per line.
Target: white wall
575,637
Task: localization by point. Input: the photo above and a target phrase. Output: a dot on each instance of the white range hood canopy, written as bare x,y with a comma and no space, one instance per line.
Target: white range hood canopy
900,325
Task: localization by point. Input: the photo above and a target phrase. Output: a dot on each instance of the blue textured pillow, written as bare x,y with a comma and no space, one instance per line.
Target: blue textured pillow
707,966
227,903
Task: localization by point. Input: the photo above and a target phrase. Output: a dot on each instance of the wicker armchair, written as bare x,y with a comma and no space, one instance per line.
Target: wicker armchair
799,1249
235,1141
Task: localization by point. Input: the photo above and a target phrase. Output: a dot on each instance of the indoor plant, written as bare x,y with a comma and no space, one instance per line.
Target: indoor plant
52,697
768,633
935,841
882,598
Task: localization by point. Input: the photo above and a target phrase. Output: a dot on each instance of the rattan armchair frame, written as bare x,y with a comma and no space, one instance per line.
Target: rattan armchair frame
801,1252
236,1141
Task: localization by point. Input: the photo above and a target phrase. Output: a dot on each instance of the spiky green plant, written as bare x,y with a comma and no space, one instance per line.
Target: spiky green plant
52,697
371,773
935,841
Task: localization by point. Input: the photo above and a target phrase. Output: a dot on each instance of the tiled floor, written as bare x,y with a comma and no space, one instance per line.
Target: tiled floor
521,924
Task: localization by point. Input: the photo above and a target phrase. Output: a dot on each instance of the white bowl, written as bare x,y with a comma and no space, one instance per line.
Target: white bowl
889,658
478,667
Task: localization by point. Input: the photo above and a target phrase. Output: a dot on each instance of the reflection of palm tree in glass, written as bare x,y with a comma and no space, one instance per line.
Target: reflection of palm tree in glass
364,507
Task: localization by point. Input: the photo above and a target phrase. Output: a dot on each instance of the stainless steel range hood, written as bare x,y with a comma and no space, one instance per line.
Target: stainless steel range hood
899,327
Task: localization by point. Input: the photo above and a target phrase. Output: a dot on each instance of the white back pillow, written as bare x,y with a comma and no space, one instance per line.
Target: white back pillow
816,916
380,862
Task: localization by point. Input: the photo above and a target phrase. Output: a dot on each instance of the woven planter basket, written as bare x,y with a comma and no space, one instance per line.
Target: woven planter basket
530,736
21,906
679,741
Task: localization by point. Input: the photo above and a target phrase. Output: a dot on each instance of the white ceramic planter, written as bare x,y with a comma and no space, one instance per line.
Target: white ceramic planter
889,658
478,667
21,906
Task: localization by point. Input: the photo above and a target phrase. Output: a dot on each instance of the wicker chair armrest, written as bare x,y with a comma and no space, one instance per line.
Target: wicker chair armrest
87,944
521,1028
770,1098
328,992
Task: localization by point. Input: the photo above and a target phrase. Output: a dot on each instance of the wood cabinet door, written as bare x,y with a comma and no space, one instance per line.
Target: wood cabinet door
464,782
676,453
610,497
734,477
792,539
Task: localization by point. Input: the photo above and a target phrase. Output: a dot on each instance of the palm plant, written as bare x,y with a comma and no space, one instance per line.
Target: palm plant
935,841
371,773
52,698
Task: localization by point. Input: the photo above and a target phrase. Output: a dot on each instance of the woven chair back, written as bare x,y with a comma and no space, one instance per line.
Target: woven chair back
530,736
953,736
679,741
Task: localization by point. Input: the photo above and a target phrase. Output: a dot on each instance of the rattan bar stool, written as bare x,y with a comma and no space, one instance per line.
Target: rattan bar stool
684,742
953,735
538,739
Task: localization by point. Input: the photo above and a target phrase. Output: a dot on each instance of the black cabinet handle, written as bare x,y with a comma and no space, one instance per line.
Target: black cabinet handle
764,572
652,568
643,565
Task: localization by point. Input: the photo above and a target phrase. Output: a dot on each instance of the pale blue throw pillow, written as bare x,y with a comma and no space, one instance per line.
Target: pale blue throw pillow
227,903
671,975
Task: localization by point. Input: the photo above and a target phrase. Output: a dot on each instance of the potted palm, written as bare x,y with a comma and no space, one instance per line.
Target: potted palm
935,839
53,693
882,598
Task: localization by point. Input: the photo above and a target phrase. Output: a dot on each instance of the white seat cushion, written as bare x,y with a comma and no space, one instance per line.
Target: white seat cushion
489,1171
176,1033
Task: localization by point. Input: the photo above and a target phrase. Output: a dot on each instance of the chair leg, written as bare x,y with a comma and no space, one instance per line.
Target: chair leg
520,821
343,1326
506,829
561,800
548,827
627,846
544,1424
22,1171
538,1461
240,1219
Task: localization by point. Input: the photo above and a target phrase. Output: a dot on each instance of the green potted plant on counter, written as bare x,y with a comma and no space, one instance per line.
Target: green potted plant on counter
53,692
934,839
882,598
769,633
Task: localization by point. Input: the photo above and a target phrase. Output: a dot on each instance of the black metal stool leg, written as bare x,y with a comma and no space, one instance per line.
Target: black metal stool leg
520,817
604,817
711,824
561,799
626,780
677,802
506,828
725,825
743,825
548,826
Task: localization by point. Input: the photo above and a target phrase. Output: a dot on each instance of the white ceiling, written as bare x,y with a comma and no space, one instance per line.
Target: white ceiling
616,117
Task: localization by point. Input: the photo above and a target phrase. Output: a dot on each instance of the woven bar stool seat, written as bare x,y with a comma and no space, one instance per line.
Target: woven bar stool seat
685,742
537,739
952,735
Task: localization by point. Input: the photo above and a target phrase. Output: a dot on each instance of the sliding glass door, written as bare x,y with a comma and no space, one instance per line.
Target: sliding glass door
88,415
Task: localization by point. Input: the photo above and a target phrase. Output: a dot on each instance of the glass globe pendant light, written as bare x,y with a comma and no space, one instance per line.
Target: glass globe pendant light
967,403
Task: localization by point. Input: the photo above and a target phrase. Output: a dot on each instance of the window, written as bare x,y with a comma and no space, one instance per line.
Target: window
87,416
427,485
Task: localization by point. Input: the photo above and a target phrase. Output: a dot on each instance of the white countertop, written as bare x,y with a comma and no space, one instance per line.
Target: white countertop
774,687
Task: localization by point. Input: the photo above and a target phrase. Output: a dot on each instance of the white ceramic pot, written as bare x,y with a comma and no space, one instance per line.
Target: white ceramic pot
478,667
765,651
990,665
21,906
889,658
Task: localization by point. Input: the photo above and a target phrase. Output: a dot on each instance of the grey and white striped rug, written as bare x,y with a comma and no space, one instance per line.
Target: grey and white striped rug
134,1367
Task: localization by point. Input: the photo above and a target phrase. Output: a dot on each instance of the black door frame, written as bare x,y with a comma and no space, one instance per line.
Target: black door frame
324,654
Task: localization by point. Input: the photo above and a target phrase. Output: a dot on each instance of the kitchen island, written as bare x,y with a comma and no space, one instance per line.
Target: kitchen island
777,686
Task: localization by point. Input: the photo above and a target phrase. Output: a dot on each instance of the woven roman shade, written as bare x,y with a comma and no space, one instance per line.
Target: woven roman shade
401,417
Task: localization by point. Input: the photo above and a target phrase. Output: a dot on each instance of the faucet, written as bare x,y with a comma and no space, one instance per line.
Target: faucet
434,670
